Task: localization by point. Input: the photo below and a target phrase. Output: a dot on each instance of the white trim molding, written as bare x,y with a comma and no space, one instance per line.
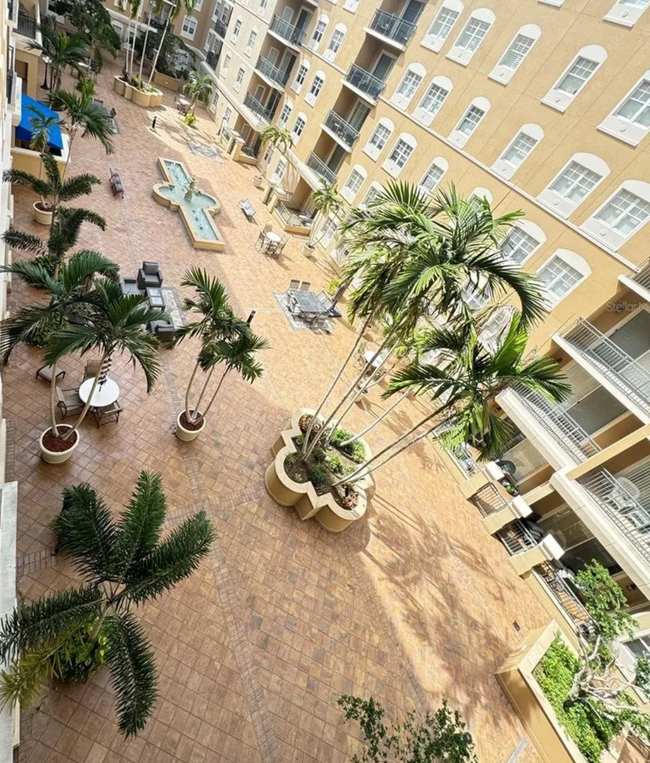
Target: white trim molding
625,212
579,177
518,150
574,78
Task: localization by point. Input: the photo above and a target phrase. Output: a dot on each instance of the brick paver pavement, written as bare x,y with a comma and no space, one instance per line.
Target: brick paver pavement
414,604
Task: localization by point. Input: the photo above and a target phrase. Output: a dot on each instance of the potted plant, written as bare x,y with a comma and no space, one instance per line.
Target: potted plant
225,339
70,634
325,201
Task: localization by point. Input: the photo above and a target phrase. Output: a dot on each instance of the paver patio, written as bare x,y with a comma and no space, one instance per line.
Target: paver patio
414,604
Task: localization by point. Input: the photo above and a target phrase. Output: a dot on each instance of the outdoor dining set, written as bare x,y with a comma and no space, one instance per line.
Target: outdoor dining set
310,307
270,243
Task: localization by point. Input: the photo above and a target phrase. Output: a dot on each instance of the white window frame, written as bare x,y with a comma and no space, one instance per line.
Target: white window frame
351,5
288,107
425,116
625,14
560,100
621,127
562,205
236,85
433,41
370,149
530,229
251,45
462,55
209,40
311,98
482,193
349,193
189,21
312,44
458,136
392,167
604,232
263,6
198,5
506,168
227,59
502,73
330,54
236,30
328,231
374,188
440,163
297,86
400,100
574,261
301,117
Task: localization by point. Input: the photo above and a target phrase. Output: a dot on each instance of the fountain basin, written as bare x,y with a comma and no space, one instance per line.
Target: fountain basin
196,213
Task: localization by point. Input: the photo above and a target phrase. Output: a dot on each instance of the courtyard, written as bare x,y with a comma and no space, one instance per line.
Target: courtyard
414,604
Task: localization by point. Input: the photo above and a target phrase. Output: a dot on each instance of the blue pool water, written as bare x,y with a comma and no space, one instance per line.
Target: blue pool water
194,207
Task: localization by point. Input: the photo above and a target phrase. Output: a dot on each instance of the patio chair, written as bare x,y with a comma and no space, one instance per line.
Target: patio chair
68,401
262,237
326,301
248,209
294,284
92,369
45,373
305,285
150,276
163,330
107,414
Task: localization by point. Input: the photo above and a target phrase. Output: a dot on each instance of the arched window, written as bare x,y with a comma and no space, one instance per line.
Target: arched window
379,138
298,127
575,181
442,25
575,77
301,76
473,34
630,120
522,241
315,88
560,275
520,46
401,153
432,100
319,32
622,215
285,113
481,193
408,85
335,42
434,174
353,184
470,120
518,150
351,5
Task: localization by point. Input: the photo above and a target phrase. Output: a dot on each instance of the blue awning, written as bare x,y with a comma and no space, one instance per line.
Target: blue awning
30,109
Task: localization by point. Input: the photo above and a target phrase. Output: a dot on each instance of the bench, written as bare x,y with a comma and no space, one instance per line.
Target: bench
116,184
248,209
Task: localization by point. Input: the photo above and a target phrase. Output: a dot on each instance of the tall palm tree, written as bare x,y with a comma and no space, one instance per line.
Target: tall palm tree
188,7
61,49
277,137
123,562
199,89
461,386
82,117
325,201
41,127
36,323
155,6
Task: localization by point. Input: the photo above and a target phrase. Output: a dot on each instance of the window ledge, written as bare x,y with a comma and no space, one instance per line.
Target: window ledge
619,136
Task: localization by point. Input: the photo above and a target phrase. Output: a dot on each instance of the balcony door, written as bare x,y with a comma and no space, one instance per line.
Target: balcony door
336,158
358,115
302,22
382,66
633,337
412,11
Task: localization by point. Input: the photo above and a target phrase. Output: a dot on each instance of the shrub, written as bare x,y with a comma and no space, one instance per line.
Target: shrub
340,436
335,464
318,474
189,119
332,286
318,455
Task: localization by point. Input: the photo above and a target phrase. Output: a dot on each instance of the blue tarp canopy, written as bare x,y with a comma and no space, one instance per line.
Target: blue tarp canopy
30,109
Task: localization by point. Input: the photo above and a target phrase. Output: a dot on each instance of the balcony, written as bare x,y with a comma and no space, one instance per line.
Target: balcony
26,26
320,168
212,59
638,280
565,597
220,27
517,538
286,32
270,72
251,151
258,108
364,83
340,129
11,87
391,27
293,220
619,371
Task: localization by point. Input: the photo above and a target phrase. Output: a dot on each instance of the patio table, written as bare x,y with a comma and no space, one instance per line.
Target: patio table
105,394
307,302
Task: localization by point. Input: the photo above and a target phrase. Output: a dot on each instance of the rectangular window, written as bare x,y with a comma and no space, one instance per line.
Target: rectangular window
443,24
286,113
401,153
431,178
329,229
636,108
470,121
575,182
252,37
263,4
335,42
518,246
240,77
473,34
517,51
625,212
579,72
434,99
237,29
189,26
409,84
226,64
281,168
299,127
558,277
519,149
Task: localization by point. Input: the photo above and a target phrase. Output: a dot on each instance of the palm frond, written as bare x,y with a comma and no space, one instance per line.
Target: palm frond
23,241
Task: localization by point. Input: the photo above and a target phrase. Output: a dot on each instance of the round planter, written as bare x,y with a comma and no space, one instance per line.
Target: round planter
308,250
56,457
187,435
128,91
258,182
119,85
141,98
155,99
40,215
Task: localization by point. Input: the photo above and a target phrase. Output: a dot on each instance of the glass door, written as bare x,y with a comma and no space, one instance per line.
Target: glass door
382,66
359,115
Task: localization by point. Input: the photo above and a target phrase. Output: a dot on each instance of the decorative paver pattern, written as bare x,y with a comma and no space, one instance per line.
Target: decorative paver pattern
413,604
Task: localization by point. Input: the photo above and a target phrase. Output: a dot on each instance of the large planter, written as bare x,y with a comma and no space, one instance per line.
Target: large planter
155,98
128,91
57,457
258,181
119,85
301,495
42,216
187,435
141,98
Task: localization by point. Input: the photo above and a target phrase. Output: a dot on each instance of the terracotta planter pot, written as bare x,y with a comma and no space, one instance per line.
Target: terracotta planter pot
187,435
56,457
119,85
41,216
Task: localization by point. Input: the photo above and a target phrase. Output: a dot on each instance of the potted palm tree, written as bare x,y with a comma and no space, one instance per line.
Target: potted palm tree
124,562
325,201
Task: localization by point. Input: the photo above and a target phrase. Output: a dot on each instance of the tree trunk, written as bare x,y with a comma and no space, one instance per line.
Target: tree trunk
374,423
155,60
144,46
216,392
189,388
72,133
195,411
53,425
84,410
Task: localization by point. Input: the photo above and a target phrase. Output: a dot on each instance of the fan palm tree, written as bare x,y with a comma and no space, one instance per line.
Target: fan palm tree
178,5
325,200
414,255
36,323
123,563
199,89
461,386
82,117
61,49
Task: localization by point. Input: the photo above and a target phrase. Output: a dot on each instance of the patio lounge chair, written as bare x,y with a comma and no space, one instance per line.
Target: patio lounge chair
45,373
163,330
115,180
149,276
69,401
248,209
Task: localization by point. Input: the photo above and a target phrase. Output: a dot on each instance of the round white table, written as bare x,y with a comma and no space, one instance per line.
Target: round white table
105,395
272,237
370,354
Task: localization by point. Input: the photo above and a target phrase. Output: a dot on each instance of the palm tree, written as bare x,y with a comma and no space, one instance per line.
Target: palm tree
325,200
461,386
199,88
188,6
41,127
154,6
61,49
35,324
93,21
277,137
82,116
414,255
123,563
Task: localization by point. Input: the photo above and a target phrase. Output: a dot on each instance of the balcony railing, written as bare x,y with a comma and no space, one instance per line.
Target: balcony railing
251,102
26,26
612,361
293,217
642,275
365,81
252,151
269,70
558,423
287,31
341,128
220,27
320,168
392,26
212,59
517,538
488,500
565,596
627,511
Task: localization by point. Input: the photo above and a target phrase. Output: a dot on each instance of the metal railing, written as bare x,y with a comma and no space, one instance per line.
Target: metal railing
517,538
287,31
341,128
575,441
626,511
365,81
642,275
251,151
320,168
565,596
488,500
221,27
265,67
251,102
212,59
611,360
392,26
26,26
11,87
293,217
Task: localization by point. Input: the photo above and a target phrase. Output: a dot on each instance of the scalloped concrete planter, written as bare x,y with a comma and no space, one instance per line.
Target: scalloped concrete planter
119,85
302,495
